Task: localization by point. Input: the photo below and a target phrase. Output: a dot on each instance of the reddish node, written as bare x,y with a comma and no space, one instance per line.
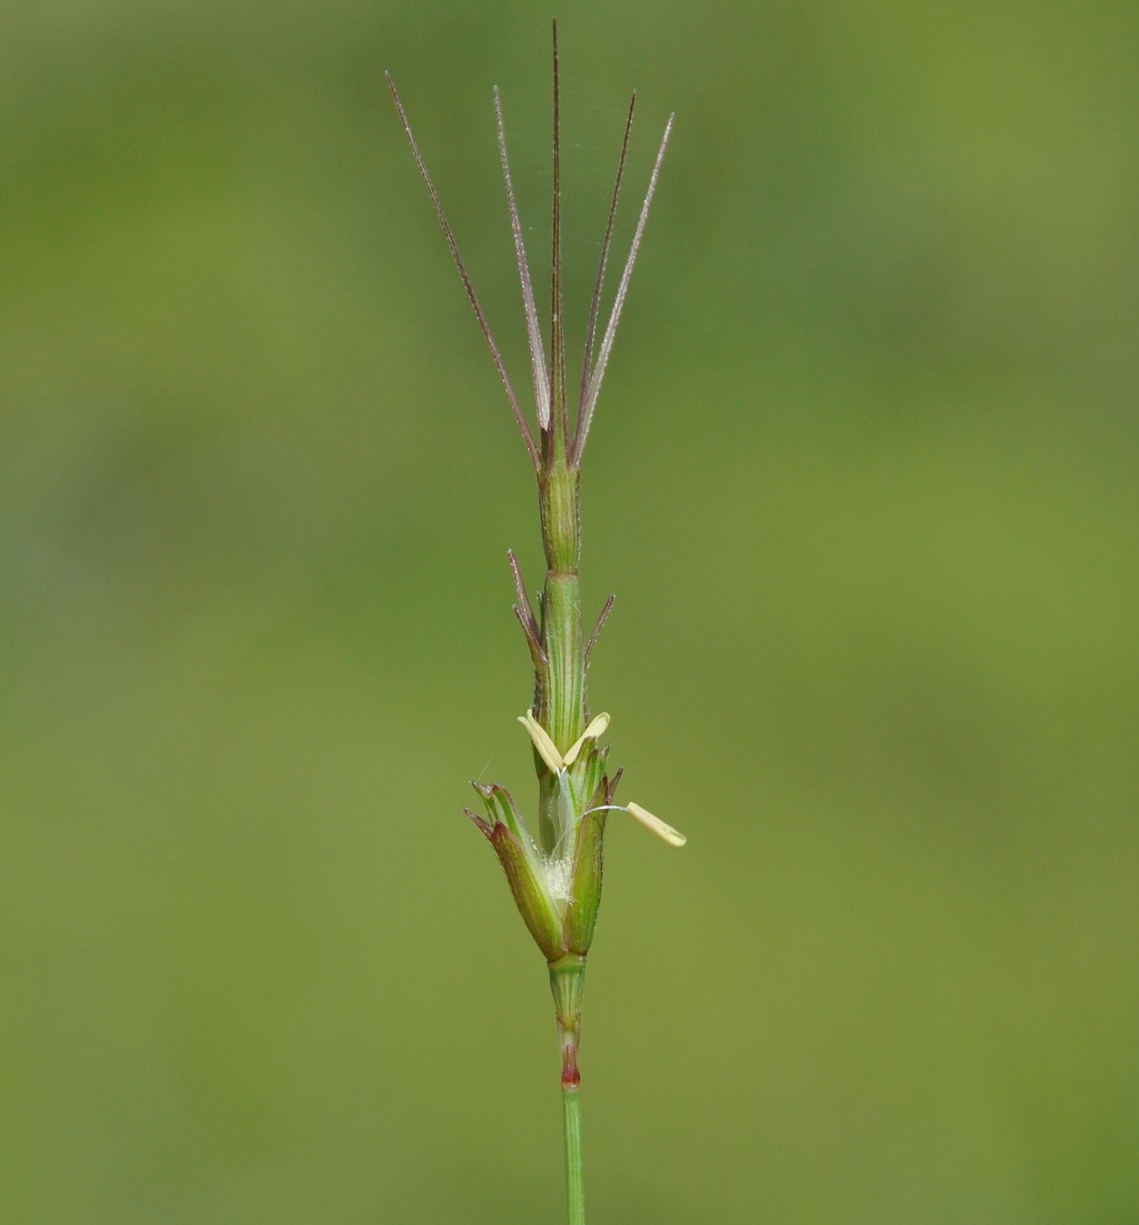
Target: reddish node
571,1077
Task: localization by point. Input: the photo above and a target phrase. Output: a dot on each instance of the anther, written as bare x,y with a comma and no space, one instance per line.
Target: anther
655,825
547,749
595,729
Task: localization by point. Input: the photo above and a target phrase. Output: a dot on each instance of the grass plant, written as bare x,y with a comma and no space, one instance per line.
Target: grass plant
555,871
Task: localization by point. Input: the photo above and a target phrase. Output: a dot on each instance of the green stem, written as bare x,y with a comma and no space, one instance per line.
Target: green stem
567,979
563,698
575,1183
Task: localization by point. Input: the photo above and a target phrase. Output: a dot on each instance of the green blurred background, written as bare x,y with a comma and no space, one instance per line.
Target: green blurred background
864,478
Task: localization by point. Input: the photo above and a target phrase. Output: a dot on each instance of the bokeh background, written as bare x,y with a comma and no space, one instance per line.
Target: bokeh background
863,475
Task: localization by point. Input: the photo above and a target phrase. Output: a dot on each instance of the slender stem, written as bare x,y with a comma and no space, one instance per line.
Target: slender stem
559,702
575,1183
567,980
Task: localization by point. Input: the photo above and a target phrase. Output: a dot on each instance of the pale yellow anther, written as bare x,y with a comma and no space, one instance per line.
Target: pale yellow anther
596,728
654,824
547,749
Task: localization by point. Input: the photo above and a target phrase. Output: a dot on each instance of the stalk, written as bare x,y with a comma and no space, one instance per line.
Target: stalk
563,712
559,677
575,1188
567,979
